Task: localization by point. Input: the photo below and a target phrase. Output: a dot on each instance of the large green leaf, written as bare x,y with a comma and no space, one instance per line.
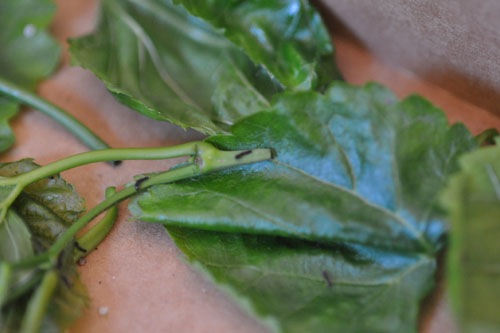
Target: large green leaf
339,232
37,217
301,287
473,199
352,165
158,59
28,52
286,36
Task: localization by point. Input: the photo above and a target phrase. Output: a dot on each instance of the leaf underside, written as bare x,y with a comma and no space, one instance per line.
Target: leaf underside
299,287
353,167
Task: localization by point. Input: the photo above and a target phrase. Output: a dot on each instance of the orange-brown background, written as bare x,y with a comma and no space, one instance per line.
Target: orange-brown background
137,273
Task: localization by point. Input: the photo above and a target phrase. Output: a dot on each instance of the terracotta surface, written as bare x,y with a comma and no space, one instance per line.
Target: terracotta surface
137,274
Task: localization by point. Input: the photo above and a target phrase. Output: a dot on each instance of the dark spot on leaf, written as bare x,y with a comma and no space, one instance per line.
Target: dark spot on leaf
327,278
65,280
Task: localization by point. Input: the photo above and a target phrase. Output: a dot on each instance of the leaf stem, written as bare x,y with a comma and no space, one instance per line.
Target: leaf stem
78,129
37,306
5,275
103,155
96,234
166,177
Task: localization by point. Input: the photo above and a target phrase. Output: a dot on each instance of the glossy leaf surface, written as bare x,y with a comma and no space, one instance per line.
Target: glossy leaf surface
473,199
158,59
287,37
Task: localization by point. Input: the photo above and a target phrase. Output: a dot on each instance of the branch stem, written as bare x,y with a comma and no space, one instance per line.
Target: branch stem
204,158
73,125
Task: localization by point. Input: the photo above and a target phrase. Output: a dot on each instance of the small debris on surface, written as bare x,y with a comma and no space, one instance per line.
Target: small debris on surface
103,310
29,30
82,261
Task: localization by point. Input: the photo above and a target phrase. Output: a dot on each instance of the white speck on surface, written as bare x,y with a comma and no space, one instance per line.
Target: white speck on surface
29,30
103,310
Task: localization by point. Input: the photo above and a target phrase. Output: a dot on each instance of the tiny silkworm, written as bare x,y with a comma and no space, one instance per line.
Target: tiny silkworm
139,181
242,154
79,247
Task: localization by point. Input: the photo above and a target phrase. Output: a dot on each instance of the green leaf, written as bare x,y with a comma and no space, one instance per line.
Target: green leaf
473,200
28,52
287,37
7,111
301,287
338,232
169,65
353,165
15,238
40,213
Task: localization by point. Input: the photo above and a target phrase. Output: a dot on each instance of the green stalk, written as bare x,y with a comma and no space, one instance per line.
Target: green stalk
19,182
37,305
96,234
205,158
73,125
103,155
5,275
70,233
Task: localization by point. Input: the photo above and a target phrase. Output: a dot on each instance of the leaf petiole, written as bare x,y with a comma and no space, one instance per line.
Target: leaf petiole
78,129
37,305
87,242
5,276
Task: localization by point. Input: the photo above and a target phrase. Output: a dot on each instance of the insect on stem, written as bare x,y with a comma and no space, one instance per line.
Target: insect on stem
242,154
79,247
137,184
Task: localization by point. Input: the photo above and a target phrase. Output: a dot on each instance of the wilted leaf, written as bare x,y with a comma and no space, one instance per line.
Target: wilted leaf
42,212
